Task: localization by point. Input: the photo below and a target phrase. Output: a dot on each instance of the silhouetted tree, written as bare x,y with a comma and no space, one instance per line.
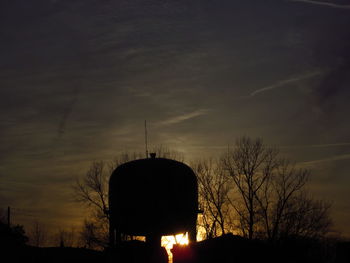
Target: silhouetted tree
92,191
305,217
66,238
94,234
270,192
250,164
278,191
38,234
166,152
11,236
213,189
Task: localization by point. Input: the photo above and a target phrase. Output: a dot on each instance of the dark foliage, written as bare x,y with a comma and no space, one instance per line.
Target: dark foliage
12,236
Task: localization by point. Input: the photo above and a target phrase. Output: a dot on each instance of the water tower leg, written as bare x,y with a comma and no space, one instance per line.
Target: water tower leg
154,240
192,234
111,236
118,237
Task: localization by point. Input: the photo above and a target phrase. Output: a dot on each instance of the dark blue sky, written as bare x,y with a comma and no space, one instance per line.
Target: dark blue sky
78,79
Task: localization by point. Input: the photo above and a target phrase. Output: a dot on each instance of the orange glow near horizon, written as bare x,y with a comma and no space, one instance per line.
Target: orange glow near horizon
169,241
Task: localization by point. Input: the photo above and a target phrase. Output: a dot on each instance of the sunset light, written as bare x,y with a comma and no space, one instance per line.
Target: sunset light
180,131
169,241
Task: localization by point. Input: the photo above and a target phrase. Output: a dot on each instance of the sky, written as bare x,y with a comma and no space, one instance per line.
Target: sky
79,77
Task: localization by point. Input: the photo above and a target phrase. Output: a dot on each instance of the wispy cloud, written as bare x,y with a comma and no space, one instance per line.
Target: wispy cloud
330,159
319,145
184,117
282,83
333,5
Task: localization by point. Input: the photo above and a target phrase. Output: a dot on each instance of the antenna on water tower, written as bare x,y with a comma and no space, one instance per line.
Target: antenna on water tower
146,139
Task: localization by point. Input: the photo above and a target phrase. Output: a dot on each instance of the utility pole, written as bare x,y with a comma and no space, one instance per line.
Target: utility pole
146,139
8,216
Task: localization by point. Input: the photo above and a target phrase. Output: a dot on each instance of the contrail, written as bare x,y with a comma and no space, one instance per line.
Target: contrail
318,145
323,4
184,117
329,159
61,128
285,82
67,112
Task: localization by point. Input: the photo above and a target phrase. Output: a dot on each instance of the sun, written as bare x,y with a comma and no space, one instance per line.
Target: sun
169,241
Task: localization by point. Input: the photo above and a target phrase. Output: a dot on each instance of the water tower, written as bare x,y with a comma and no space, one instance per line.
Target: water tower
152,197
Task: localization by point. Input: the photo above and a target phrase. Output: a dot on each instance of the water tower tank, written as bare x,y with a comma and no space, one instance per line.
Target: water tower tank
153,197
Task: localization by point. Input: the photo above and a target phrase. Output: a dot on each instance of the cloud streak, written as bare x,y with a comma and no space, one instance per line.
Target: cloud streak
184,117
332,5
330,159
282,83
67,112
319,145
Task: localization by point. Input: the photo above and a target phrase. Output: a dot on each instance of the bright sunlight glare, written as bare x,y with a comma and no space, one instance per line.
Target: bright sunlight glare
169,241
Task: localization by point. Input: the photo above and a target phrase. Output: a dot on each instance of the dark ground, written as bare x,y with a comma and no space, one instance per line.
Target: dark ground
226,249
